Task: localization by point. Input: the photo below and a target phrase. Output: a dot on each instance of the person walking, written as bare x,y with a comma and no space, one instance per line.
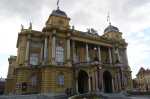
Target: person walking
70,92
67,92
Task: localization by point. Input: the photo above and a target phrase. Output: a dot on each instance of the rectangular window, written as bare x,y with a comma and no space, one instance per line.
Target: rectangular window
17,86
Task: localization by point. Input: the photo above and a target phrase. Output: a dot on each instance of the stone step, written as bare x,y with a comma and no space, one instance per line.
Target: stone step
61,97
115,94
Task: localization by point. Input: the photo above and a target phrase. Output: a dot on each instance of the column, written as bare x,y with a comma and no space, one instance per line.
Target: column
126,57
68,48
110,58
27,49
102,84
73,50
96,80
45,47
87,53
99,54
89,80
119,82
41,52
113,85
118,56
113,55
53,46
116,52
77,86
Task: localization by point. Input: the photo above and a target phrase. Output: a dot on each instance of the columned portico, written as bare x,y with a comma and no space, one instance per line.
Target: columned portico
89,82
110,58
119,81
41,52
77,92
99,54
87,53
53,46
73,50
45,47
117,54
68,48
113,90
27,50
96,81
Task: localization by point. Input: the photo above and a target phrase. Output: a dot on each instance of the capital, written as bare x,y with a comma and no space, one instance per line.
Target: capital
53,35
68,38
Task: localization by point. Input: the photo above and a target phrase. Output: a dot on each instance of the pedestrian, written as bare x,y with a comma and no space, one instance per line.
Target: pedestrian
67,92
70,92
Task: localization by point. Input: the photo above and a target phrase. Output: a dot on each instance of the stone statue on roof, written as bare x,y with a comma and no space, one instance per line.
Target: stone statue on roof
91,31
22,26
73,27
30,27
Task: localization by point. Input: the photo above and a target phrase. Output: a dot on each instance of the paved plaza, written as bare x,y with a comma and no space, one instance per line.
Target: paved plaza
133,97
46,97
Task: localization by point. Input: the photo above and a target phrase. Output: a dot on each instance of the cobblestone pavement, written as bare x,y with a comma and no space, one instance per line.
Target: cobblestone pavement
45,97
132,97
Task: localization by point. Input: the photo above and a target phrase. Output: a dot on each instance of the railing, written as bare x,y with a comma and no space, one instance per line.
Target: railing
60,64
33,66
93,63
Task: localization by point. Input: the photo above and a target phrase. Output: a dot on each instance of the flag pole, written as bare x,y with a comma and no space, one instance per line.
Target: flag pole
57,4
108,19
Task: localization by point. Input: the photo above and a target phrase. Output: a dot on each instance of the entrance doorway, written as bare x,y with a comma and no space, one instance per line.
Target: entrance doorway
82,82
107,81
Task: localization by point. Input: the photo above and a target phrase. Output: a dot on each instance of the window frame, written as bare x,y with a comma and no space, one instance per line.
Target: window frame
33,59
32,80
61,79
59,54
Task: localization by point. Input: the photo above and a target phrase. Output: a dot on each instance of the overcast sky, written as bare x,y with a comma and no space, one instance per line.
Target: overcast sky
132,17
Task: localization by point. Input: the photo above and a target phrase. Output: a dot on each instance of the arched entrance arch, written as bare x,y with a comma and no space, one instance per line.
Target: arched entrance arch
107,81
82,82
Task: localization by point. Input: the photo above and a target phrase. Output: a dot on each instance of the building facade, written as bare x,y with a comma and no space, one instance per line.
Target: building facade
60,57
2,85
143,79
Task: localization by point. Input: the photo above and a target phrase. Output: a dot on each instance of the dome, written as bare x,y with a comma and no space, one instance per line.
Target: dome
110,27
59,12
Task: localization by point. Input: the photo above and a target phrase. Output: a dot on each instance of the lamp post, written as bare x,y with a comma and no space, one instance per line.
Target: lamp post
95,50
116,52
95,59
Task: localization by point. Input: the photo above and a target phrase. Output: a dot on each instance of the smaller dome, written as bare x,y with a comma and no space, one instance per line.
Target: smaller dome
59,12
111,27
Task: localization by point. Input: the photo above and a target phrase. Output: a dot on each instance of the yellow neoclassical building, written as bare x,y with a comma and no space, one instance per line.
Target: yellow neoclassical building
60,57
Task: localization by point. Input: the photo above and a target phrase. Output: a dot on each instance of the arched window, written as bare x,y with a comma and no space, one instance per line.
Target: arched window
33,59
59,54
60,79
33,80
76,57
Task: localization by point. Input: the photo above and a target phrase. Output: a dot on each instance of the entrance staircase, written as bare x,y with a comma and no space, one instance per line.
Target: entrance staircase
60,97
115,95
121,94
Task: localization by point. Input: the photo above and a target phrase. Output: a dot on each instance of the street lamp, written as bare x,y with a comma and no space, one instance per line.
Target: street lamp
95,59
116,52
95,50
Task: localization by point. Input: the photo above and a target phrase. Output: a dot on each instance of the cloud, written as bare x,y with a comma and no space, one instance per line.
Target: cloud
132,17
139,50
